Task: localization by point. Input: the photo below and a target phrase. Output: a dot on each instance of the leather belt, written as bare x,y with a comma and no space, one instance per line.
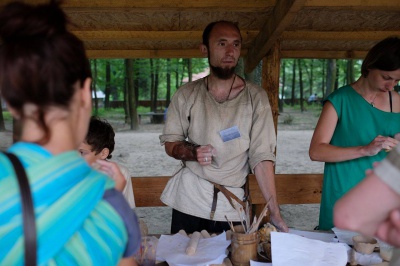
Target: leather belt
230,196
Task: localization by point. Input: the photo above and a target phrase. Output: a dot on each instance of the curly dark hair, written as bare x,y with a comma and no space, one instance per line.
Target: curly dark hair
100,135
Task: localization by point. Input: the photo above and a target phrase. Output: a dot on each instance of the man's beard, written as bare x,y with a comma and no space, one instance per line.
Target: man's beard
223,73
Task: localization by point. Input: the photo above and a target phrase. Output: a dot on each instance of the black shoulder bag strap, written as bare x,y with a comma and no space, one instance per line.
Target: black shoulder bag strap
28,214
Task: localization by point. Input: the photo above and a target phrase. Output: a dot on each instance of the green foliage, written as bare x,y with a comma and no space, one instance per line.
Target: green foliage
7,116
117,76
314,76
318,67
142,74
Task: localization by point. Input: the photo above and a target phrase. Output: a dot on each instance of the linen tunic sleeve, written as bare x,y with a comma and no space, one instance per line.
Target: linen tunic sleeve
178,115
262,135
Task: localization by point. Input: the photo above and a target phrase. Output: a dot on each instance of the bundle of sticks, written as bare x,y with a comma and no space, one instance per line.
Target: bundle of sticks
245,218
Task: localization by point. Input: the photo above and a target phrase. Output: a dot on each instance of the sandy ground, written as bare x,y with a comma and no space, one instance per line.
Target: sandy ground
142,153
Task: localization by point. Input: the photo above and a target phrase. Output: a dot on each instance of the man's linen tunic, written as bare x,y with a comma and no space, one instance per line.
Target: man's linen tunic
195,116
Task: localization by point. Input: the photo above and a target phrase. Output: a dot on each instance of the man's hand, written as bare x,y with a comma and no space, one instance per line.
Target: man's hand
111,169
186,151
279,223
205,154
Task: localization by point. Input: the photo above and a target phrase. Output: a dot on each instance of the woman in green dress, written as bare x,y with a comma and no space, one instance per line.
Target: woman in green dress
358,125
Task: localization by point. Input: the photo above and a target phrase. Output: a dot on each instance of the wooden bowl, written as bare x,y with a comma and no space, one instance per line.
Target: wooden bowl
364,244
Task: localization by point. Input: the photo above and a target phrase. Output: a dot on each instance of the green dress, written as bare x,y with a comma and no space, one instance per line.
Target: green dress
358,124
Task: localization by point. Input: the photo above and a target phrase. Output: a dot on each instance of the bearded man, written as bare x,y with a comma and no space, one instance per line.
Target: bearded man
221,128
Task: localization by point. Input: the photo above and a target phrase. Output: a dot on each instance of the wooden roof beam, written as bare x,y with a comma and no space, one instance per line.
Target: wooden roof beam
194,53
356,4
105,35
322,54
283,14
180,5
219,5
196,35
338,35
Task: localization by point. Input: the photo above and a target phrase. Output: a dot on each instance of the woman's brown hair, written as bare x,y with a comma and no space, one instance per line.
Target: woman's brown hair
40,60
385,55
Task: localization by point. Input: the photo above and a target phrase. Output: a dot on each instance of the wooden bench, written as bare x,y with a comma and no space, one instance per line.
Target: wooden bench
290,189
155,118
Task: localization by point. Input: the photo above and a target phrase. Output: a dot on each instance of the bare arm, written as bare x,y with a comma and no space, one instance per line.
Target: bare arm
371,208
266,181
320,149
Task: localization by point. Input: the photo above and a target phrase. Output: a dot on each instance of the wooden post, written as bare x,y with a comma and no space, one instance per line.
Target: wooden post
270,82
270,79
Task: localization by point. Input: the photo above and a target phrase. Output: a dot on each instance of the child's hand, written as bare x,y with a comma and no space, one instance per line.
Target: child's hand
112,170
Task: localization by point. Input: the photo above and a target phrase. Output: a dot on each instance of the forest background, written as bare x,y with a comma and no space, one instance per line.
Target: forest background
146,85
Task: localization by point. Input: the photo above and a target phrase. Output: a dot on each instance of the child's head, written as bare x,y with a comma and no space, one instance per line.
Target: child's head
99,142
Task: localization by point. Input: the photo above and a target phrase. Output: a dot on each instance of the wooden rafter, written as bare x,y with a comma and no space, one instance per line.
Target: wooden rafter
173,28
282,15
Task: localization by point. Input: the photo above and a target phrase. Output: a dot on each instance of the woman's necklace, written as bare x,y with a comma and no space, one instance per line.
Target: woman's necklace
372,102
362,91
230,90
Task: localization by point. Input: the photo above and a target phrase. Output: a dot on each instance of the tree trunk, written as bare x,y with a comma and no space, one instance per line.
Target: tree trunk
330,76
107,90
293,82
336,85
350,71
301,86
189,68
126,96
156,81
152,87
168,96
131,95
